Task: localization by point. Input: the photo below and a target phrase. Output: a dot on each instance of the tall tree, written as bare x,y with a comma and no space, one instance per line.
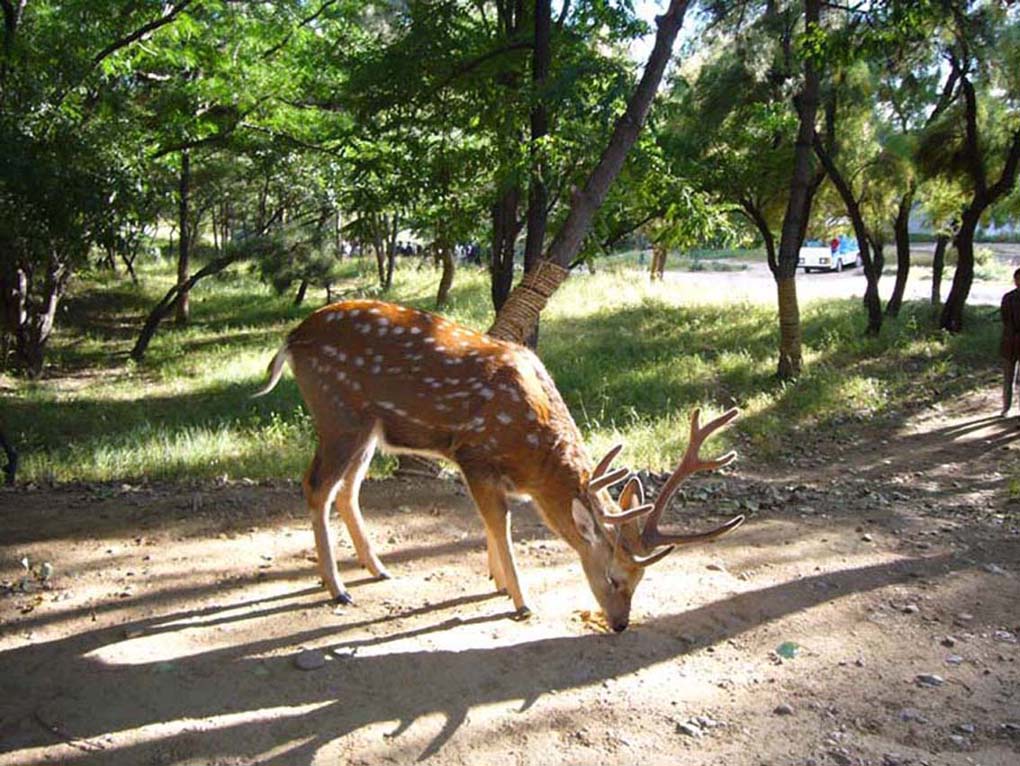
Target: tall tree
69,164
977,140
803,181
519,315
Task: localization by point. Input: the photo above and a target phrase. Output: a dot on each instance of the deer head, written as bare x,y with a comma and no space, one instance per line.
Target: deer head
624,538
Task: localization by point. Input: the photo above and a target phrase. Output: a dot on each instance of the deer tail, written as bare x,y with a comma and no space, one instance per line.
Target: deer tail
274,370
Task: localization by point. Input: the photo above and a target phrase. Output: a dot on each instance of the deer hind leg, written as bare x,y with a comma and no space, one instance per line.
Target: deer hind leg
322,482
495,568
350,510
492,505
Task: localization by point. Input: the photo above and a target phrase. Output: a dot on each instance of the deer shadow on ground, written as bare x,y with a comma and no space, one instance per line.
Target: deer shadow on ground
56,690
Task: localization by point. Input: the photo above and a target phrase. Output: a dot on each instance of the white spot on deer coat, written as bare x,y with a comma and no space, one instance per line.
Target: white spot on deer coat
505,419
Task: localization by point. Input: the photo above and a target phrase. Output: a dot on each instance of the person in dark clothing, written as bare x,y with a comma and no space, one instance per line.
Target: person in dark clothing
1009,349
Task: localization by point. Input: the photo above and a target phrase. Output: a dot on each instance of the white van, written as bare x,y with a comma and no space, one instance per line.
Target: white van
818,255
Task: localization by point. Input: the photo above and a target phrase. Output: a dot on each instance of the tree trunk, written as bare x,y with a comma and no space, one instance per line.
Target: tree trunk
872,265
798,209
391,252
902,229
505,229
952,312
984,195
215,224
789,329
938,264
183,308
444,251
538,195
756,216
224,226
11,469
517,321
129,264
166,305
658,262
874,262
302,289
30,312
378,245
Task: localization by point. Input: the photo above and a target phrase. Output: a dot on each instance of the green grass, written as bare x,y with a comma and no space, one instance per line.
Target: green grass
630,358
697,259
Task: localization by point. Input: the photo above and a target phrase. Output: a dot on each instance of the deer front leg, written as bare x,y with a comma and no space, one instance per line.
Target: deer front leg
495,512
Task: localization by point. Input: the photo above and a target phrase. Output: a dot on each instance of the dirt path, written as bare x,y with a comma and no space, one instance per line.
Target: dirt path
170,628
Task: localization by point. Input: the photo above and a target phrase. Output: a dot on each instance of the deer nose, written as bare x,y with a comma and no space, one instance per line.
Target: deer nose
621,626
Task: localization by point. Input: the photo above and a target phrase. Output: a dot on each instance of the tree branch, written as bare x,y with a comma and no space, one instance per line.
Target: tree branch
10,16
1009,171
290,33
975,161
466,67
141,32
193,144
946,97
563,14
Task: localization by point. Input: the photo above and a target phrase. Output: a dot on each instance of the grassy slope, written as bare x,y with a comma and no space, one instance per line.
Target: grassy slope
630,358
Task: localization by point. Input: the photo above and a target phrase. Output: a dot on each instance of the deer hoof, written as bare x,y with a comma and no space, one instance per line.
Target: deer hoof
383,574
522,614
343,598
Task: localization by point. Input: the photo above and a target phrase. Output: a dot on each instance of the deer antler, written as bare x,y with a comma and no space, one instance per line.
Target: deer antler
651,536
602,477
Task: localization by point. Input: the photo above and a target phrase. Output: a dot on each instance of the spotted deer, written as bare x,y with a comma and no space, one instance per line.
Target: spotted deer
374,373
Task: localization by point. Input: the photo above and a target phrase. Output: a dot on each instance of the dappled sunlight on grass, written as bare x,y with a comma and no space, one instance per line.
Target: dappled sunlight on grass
631,358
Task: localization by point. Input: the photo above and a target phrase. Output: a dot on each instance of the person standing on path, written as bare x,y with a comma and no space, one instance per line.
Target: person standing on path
1009,348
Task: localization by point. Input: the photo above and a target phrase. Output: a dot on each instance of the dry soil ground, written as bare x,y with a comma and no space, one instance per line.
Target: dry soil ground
867,613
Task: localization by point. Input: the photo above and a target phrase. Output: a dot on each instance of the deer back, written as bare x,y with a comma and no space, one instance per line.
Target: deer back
434,386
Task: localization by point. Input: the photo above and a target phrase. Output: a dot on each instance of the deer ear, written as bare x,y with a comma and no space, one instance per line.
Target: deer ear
584,522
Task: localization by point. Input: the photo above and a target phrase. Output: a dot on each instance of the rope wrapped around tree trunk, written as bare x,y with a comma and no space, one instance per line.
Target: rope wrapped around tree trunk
519,315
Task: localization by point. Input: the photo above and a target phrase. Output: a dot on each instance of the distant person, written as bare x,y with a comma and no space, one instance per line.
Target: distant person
1009,349
834,245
